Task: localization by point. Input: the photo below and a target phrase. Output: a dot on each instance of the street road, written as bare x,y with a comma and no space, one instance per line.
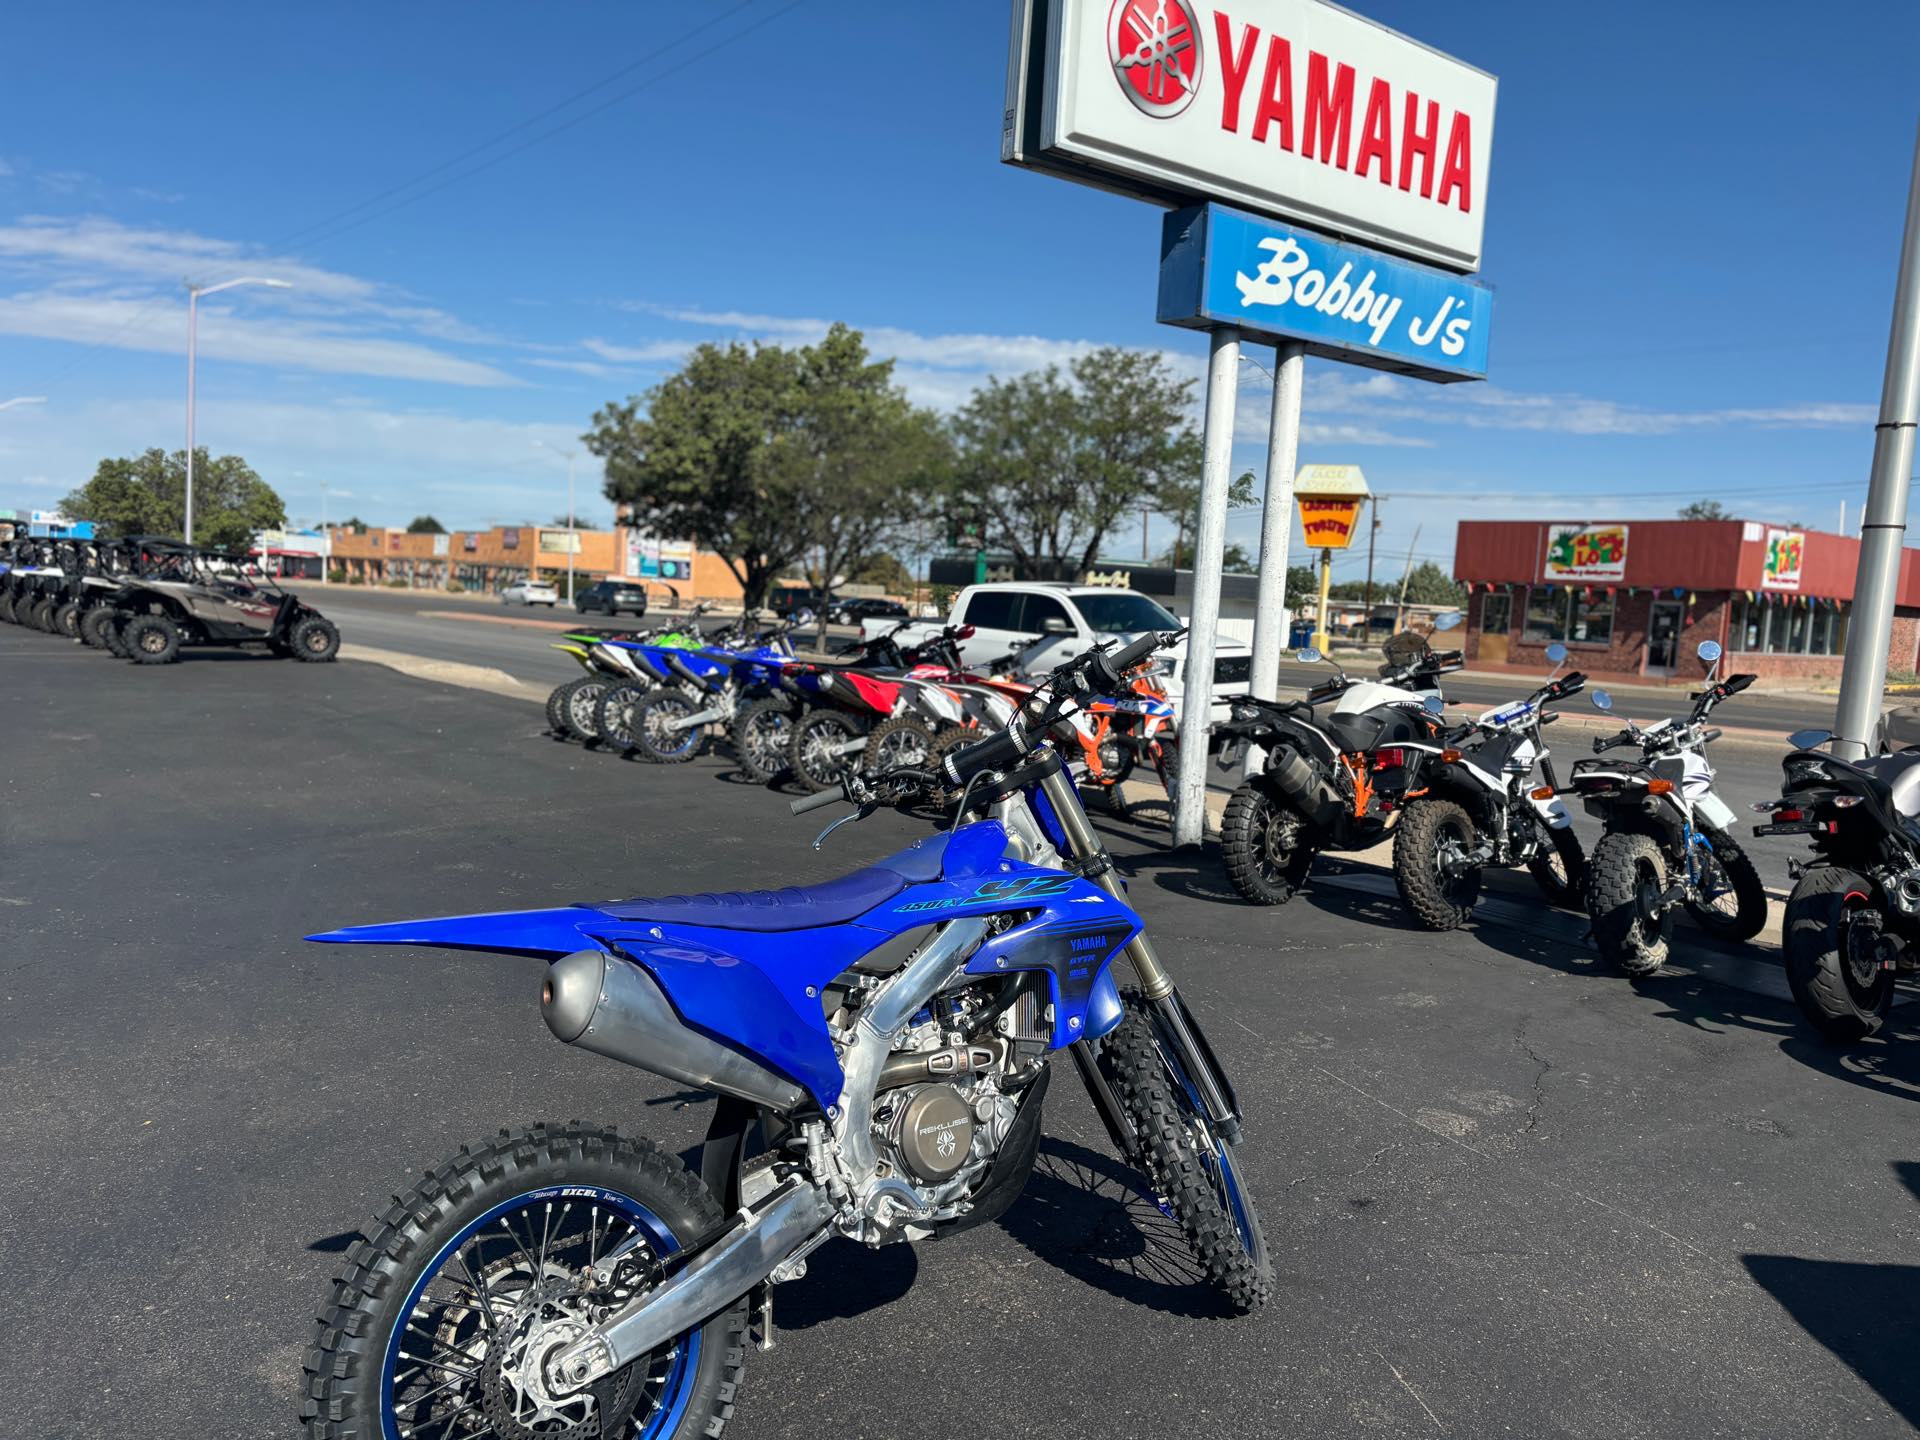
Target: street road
1507,1193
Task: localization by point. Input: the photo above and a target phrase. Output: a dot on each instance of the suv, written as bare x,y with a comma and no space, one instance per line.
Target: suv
1049,624
610,597
864,607
174,594
530,593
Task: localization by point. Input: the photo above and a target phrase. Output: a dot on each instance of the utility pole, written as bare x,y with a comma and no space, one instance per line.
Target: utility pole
194,292
1883,525
1400,610
1373,534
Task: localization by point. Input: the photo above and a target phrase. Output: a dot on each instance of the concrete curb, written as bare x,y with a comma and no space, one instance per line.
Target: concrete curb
448,672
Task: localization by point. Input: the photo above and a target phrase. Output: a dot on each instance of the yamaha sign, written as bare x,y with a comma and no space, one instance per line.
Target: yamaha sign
1292,108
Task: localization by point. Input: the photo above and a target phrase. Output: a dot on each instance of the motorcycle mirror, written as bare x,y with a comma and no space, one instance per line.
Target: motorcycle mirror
1433,705
1602,700
1557,654
1450,620
1809,739
1708,651
1307,655
965,632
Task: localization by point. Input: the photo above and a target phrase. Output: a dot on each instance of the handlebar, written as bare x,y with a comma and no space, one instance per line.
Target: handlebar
816,802
1708,735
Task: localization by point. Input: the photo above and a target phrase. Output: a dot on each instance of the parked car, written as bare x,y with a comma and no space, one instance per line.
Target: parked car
530,592
854,609
1056,622
610,597
789,602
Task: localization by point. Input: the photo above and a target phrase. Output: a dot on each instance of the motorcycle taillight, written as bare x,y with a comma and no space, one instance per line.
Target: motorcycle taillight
1391,758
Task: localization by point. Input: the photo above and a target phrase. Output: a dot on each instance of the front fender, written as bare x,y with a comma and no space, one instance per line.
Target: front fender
1551,811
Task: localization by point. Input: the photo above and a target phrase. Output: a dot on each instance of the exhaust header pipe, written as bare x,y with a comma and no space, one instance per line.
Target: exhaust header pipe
612,1007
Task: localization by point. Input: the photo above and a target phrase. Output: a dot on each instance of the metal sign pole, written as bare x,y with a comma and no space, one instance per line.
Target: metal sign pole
1863,676
1210,546
1271,619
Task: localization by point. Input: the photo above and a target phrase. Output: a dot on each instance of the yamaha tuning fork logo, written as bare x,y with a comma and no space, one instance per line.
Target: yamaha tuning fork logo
1155,49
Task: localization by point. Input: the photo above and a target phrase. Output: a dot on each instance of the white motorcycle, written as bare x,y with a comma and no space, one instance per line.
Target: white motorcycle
1669,839
1479,806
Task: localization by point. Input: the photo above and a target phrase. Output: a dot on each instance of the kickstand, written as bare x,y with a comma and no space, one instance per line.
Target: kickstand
760,1318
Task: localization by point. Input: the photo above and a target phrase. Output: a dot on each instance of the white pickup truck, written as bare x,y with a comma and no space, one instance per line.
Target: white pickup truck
1050,624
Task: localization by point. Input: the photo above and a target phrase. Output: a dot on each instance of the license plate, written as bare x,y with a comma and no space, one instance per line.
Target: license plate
1232,670
1791,827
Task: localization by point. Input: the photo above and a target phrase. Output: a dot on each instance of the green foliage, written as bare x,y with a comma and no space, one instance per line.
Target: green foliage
1704,510
356,525
766,455
146,495
1303,586
883,569
1045,466
337,577
356,578
1179,500
425,525
1430,585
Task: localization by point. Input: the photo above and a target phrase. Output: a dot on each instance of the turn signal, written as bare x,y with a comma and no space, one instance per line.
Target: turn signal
1545,792
1659,787
1447,757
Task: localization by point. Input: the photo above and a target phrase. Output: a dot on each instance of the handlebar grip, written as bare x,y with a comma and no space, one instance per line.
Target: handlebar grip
998,750
1713,734
818,802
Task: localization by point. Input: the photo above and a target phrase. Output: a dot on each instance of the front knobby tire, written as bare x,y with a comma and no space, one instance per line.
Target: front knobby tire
579,714
1833,953
658,729
613,716
1428,830
411,1285
1625,874
1562,873
815,758
762,736
1739,909
899,740
1266,845
314,639
1194,1174
151,640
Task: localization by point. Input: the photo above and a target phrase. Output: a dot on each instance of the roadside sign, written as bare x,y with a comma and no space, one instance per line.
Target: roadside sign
1295,108
559,542
1786,549
1278,281
1329,497
1585,552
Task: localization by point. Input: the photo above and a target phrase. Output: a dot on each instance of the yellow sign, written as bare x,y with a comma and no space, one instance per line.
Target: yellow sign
1328,522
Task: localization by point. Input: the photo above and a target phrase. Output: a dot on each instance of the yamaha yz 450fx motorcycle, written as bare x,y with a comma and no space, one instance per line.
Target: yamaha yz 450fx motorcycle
1477,806
1669,838
1853,920
880,1047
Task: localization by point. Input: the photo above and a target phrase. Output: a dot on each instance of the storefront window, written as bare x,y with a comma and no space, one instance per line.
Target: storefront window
1787,625
1796,642
1496,612
1546,615
1592,618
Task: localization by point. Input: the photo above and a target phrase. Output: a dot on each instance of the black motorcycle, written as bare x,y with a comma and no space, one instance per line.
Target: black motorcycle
1854,915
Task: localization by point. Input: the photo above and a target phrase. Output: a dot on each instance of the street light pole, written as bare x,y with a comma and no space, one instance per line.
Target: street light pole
194,292
573,526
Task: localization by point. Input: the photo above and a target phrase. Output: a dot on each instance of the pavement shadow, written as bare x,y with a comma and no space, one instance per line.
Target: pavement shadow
845,1279
1863,1314
1083,1213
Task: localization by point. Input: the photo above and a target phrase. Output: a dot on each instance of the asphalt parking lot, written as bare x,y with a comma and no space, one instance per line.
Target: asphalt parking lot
1507,1193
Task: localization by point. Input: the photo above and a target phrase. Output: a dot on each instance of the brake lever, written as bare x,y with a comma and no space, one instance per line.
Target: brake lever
867,808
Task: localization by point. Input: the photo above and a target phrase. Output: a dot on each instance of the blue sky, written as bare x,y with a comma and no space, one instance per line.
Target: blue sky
1693,222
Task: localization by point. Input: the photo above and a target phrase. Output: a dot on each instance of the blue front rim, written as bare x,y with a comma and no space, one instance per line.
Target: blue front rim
1216,1159
454,1334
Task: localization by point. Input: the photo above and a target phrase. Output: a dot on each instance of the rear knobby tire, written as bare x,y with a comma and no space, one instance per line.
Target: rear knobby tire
815,739
93,626
1265,845
899,740
1194,1173
1749,917
1564,884
346,1366
1626,870
556,702
578,715
762,737
654,719
1833,968
314,639
66,619
613,716
1438,902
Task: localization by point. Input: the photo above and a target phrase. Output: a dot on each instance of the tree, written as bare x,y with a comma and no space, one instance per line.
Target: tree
1234,560
1303,585
885,569
147,496
1046,467
356,525
1179,500
425,525
1430,585
1703,510
768,455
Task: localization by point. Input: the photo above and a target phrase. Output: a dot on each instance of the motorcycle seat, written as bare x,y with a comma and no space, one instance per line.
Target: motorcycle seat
795,907
1900,773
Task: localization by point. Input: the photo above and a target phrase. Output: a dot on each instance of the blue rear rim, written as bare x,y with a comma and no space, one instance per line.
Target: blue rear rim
663,741
431,1378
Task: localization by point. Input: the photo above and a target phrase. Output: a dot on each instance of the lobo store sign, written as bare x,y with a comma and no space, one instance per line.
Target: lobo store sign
1273,280
1585,552
1295,108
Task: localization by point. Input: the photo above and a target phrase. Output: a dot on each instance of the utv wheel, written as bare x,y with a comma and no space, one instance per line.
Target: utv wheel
114,633
1265,845
1627,873
152,640
41,615
659,732
1738,908
93,626
1194,1173
6,608
1561,872
429,1323
578,714
1836,953
901,740
817,741
314,639
1431,836
763,737
66,620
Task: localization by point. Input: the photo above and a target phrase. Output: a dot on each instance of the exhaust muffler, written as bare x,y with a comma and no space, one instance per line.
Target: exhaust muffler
1311,793
611,1006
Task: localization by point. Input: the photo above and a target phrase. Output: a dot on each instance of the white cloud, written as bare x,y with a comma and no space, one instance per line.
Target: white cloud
23,400
651,353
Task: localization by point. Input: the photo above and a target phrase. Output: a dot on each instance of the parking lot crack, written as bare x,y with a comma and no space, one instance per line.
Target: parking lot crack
1539,1078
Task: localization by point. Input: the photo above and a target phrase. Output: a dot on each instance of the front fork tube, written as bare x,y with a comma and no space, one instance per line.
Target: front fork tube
1177,1026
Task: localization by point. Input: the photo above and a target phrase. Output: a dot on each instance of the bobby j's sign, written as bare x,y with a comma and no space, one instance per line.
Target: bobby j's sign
1276,280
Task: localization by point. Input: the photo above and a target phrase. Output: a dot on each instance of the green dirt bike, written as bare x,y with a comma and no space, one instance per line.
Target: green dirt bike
610,658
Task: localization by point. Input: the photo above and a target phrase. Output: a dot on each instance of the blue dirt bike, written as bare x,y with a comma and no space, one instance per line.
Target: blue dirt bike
880,1049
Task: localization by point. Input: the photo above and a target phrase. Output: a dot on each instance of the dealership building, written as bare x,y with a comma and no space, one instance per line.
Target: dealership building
1635,597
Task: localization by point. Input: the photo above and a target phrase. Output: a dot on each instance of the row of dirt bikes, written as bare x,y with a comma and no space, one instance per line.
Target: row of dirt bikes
880,1046
144,598
1358,763
669,693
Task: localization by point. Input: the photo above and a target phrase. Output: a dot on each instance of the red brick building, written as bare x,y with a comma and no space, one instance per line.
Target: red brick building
1634,597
